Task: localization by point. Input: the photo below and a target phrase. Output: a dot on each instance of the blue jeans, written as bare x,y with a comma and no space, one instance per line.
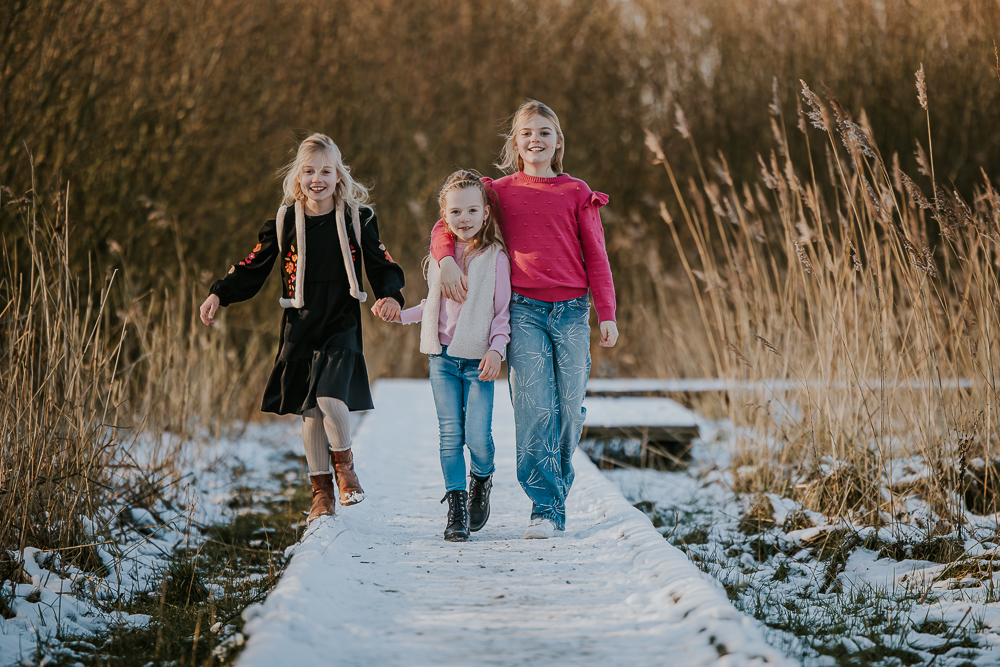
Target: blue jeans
548,361
465,417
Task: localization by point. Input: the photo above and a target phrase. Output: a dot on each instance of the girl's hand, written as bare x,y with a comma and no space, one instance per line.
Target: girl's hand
454,283
387,309
609,333
490,366
208,308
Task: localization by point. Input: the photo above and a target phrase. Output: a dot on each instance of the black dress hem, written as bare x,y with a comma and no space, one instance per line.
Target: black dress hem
336,372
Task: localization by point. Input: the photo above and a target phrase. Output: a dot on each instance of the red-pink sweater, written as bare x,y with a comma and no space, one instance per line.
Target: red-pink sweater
552,229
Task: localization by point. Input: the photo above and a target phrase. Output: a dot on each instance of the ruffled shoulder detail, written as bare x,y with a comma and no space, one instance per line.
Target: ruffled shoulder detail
487,181
598,199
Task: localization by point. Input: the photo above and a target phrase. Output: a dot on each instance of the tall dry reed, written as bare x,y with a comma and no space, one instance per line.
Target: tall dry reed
60,390
89,371
863,295
195,104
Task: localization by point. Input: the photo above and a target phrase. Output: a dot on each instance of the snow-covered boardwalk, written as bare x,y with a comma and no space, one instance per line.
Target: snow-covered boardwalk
377,586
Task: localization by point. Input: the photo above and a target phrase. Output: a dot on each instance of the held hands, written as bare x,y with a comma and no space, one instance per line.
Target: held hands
388,309
490,366
454,283
609,333
208,308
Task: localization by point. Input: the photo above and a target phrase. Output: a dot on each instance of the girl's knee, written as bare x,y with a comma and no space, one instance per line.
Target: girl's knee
451,430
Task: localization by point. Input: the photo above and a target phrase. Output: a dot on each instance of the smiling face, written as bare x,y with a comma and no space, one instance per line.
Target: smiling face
537,142
465,212
318,178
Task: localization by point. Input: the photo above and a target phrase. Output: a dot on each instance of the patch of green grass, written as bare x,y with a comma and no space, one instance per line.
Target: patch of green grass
697,536
937,549
196,602
758,518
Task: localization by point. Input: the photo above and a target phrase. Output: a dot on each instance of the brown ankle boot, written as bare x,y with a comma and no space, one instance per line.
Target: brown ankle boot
351,492
323,502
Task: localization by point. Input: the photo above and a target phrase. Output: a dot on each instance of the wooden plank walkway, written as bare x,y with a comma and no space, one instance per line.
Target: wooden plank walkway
377,586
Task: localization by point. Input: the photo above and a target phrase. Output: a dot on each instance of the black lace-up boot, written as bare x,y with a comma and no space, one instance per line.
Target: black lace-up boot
479,501
458,516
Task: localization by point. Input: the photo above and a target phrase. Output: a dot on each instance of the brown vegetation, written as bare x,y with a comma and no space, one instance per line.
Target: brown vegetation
79,388
857,303
168,120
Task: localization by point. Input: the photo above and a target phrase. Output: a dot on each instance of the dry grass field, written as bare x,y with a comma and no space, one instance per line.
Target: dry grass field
800,191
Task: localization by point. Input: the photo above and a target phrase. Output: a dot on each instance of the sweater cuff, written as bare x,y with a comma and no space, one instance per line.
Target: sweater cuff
413,315
605,313
395,294
218,289
499,345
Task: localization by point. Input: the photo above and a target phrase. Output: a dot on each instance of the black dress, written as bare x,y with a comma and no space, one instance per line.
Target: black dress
320,351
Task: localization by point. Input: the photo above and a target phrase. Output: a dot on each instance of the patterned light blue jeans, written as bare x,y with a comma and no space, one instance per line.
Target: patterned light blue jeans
548,363
465,417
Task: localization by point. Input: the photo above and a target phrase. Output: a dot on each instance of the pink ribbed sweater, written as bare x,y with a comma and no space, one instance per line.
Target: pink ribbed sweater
552,229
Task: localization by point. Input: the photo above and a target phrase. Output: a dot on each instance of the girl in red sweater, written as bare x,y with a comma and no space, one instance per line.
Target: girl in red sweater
551,226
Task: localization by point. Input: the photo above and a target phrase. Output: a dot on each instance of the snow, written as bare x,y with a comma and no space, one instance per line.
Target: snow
54,606
645,412
897,598
377,585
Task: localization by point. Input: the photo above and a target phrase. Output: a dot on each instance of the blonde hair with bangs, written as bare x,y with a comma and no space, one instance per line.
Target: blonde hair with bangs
510,160
347,190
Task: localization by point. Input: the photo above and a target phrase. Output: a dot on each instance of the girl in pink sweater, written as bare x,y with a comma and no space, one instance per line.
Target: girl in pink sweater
551,226
467,341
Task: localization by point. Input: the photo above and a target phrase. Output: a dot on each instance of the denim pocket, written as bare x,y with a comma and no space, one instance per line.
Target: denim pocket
518,299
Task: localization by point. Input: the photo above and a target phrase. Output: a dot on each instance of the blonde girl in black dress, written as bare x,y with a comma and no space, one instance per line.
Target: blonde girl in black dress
319,236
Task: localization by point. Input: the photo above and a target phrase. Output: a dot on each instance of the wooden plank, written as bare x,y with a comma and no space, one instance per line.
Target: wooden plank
638,432
618,386
638,412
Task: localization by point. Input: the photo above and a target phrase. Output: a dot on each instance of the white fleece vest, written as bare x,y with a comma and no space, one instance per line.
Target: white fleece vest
472,331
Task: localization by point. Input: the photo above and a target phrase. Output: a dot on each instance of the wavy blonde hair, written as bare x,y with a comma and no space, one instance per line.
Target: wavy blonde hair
347,190
489,235
510,160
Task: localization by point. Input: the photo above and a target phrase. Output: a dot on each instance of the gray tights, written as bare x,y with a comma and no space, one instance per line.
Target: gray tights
325,428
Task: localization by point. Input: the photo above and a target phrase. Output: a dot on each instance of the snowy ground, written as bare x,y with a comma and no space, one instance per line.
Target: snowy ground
62,601
858,607
376,585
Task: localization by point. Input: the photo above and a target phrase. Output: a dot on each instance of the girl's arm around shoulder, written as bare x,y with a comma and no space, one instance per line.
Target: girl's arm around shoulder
384,275
454,282
247,277
442,243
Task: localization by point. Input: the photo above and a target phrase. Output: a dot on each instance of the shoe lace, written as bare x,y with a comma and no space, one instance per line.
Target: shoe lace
477,494
455,506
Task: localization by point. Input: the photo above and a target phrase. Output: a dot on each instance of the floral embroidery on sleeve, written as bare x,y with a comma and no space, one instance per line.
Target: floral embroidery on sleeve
381,246
253,253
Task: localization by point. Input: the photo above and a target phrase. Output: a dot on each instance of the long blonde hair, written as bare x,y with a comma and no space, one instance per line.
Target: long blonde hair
347,190
489,235
510,160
